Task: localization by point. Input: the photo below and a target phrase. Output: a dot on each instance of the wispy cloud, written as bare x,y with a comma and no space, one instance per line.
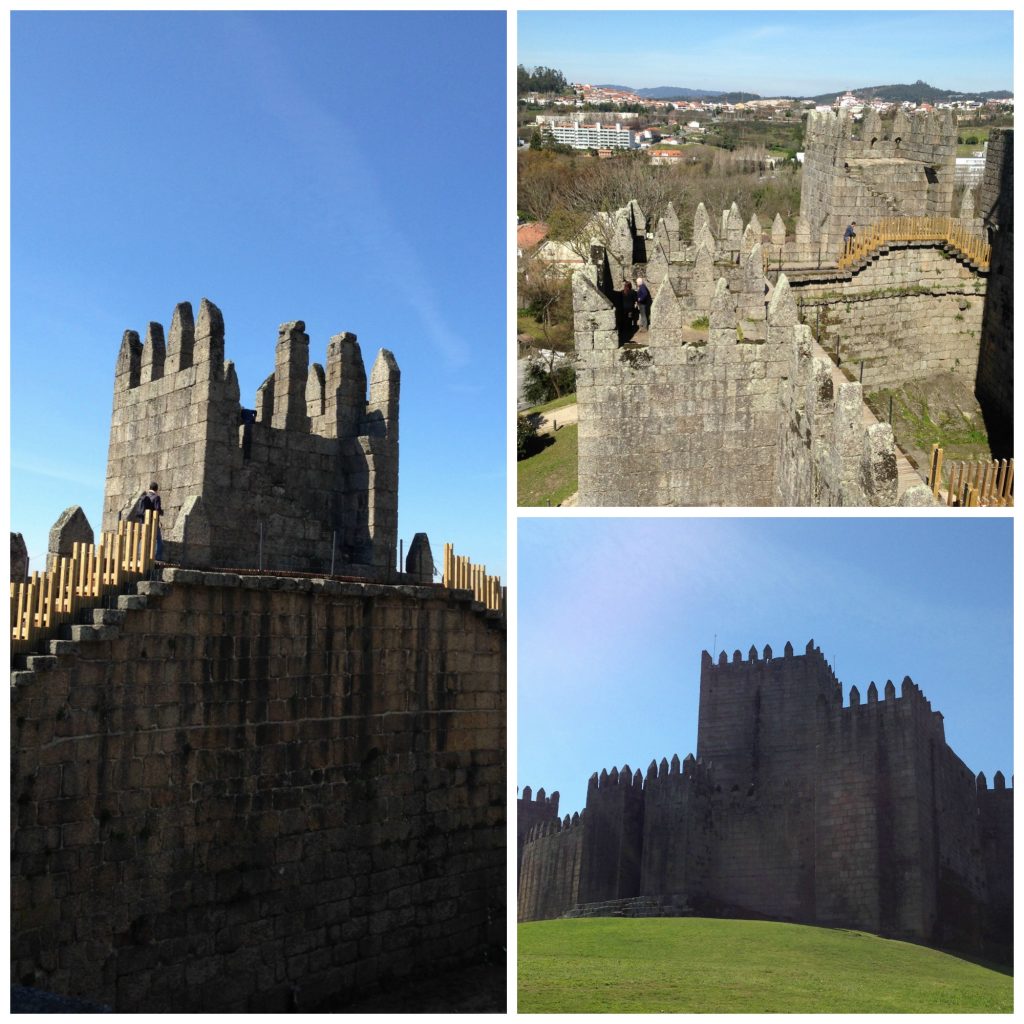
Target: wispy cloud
318,137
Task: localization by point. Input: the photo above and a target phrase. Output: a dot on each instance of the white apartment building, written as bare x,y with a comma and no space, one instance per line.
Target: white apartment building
592,136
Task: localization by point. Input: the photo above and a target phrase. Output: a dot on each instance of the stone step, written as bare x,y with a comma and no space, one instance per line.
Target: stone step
107,616
152,588
40,662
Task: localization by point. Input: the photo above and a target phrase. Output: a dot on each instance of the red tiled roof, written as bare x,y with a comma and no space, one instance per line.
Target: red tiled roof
529,235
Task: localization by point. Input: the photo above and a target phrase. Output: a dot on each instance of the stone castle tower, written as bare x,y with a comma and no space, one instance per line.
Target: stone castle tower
876,169
796,808
306,480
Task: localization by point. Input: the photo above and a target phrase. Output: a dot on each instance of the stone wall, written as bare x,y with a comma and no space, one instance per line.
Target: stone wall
864,172
798,808
549,874
674,422
740,416
532,812
912,312
311,474
995,361
255,794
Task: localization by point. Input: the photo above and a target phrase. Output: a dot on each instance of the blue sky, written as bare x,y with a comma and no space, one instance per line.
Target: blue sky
773,53
614,614
287,167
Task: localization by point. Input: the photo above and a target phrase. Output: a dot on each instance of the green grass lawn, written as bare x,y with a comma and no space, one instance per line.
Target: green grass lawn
550,475
560,335
697,965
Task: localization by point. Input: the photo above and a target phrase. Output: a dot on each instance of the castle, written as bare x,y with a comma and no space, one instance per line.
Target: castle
797,808
264,791
308,480
729,401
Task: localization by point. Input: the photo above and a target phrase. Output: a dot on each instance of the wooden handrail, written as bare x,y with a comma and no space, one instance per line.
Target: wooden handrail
460,573
48,600
978,483
889,230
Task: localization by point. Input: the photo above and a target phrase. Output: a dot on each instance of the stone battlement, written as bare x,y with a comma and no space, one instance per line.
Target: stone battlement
796,808
307,480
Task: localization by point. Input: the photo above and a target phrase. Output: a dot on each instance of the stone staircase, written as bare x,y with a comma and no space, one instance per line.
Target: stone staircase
635,906
890,201
105,624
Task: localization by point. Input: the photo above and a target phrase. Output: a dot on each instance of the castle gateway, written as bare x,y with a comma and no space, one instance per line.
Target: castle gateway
796,808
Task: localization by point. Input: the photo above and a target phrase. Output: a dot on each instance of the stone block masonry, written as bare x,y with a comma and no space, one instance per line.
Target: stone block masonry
306,480
796,808
995,361
240,793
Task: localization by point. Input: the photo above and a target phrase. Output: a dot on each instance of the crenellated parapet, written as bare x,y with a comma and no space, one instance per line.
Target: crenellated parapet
306,480
863,171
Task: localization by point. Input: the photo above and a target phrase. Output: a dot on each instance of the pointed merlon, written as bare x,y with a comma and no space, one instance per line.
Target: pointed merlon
663,768
737,656
540,795
778,230
652,770
752,653
767,653
999,781
674,765
705,659
593,782
209,338
625,775
854,697
345,386
890,690
385,382
527,793
782,311
982,782
604,777
181,340
154,353
788,650
700,220
872,693
810,646
638,779
723,310
315,389
722,659
128,369
291,372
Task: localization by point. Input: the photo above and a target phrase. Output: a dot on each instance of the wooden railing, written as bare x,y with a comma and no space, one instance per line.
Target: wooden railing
75,583
972,484
916,229
459,572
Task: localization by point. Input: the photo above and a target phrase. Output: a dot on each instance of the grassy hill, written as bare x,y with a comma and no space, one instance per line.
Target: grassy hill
694,965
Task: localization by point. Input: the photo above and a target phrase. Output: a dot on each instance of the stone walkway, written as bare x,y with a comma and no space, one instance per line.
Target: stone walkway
907,476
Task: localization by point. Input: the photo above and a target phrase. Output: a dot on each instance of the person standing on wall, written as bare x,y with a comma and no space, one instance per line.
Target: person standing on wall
627,307
849,234
150,500
643,303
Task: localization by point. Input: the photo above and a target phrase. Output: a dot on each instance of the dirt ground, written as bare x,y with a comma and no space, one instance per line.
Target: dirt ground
941,408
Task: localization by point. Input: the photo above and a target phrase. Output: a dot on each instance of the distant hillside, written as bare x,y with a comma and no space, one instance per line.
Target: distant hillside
919,92
696,965
678,92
